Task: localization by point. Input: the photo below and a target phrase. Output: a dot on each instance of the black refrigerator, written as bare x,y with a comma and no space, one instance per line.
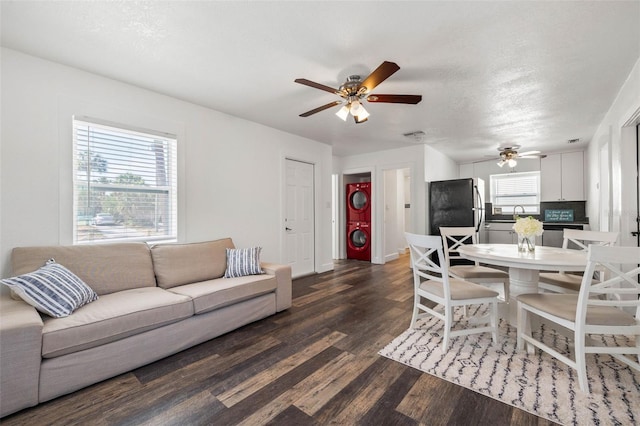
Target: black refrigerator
457,202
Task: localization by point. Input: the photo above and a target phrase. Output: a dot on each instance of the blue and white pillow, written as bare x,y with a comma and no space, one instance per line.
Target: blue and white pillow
52,289
242,262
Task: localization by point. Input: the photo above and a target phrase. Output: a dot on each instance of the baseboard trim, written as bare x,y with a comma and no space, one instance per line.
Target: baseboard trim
390,257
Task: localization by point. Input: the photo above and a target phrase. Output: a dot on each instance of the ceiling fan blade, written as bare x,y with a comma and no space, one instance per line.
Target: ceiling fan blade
316,85
322,108
532,156
395,99
523,154
380,74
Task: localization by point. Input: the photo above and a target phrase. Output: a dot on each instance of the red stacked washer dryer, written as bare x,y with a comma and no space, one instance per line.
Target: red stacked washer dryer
359,221
359,202
358,241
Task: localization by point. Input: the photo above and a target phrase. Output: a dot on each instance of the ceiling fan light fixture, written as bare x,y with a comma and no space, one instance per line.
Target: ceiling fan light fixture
363,114
355,107
343,112
360,119
512,162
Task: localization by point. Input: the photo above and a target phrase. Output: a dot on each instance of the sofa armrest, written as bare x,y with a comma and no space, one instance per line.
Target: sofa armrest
20,355
283,278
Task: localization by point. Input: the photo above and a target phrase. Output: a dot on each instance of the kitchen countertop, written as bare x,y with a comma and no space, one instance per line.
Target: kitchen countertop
545,223
507,225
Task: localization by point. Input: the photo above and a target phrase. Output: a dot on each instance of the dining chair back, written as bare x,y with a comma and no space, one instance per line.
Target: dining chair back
562,282
453,238
609,308
432,282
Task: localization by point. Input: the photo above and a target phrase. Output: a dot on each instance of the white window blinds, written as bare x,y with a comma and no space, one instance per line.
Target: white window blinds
513,189
125,185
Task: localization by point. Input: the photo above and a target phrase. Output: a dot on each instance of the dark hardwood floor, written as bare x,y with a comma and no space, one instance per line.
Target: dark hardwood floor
313,364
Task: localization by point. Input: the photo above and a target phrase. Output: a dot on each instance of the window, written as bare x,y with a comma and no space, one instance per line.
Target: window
125,185
516,189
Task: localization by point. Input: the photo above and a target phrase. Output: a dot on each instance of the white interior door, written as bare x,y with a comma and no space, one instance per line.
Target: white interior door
335,217
636,232
299,218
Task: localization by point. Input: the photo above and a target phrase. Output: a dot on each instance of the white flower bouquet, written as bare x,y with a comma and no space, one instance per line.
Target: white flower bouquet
528,227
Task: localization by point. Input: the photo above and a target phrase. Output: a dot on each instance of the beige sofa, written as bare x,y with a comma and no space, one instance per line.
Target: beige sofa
153,302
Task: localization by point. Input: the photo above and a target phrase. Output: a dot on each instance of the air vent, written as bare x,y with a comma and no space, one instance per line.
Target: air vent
576,140
417,136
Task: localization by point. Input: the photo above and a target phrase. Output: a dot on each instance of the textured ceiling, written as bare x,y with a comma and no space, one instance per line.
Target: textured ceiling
533,74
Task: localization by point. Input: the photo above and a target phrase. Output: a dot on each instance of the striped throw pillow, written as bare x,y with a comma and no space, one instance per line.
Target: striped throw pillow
241,262
53,290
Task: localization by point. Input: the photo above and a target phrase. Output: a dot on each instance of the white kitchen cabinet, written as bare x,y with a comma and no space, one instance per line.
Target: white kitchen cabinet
502,237
503,233
500,233
562,177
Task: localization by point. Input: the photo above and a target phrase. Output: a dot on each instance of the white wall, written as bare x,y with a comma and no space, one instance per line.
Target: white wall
438,166
618,130
407,202
231,171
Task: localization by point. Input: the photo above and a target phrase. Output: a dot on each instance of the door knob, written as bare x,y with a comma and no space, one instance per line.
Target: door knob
288,229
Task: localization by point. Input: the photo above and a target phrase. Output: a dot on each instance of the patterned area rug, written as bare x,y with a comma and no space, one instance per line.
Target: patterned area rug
535,383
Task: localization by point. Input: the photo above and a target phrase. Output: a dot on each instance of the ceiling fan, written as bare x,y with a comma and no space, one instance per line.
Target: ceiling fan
355,90
509,154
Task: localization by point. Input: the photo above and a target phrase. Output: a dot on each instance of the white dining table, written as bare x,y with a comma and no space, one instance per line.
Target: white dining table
524,268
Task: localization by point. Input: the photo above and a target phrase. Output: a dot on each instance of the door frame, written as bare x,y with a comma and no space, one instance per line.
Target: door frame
381,206
604,184
637,231
335,216
625,219
341,212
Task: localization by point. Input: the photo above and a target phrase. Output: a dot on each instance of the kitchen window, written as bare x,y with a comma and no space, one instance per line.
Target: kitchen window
516,189
125,185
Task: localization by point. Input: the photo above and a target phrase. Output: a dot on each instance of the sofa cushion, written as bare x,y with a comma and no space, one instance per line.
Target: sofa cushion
105,268
52,290
242,262
179,264
112,317
214,294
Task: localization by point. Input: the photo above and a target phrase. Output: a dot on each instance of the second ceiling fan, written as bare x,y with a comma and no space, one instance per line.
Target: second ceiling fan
355,90
509,154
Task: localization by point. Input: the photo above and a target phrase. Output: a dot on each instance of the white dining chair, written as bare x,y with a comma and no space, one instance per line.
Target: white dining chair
432,282
453,238
610,307
562,282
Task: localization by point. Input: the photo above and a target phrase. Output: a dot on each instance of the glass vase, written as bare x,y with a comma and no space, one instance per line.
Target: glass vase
526,244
